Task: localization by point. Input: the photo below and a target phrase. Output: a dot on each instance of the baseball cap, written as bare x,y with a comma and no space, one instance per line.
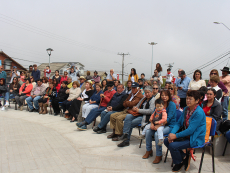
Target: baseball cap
182,72
135,85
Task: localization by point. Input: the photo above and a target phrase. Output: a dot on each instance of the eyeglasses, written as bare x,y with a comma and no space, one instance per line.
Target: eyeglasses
155,88
213,73
15,79
170,88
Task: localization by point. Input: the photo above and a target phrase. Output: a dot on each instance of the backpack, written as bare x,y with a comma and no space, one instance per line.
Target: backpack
224,126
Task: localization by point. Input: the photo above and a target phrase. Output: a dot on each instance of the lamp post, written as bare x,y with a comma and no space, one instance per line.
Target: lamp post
222,24
49,53
152,43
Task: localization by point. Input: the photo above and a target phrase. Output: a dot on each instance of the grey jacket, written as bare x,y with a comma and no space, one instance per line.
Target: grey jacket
146,112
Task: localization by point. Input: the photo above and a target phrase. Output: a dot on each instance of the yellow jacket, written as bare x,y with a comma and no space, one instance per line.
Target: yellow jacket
135,77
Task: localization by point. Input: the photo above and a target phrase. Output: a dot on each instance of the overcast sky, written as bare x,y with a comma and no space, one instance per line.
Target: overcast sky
94,31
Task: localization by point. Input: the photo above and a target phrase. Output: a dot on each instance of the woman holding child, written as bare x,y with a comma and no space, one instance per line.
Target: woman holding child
171,120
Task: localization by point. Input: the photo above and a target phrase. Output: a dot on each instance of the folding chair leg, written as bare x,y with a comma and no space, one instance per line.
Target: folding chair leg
139,131
140,143
225,148
213,161
201,161
166,154
15,106
172,164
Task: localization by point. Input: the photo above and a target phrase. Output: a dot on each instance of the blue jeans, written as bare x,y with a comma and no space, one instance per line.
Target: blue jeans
225,108
176,149
227,135
105,118
131,122
35,100
94,113
148,137
66,104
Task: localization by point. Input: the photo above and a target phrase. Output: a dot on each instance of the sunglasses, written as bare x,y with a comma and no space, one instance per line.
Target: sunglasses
170,88
213,73
155,88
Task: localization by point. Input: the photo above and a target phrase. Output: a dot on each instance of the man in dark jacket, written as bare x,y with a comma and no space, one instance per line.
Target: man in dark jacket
115,105
36,73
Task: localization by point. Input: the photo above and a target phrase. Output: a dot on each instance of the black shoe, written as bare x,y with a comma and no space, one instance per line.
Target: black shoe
177,167
123,144
35,110
123,137
31,110
55,114
186,161
101,131
95,129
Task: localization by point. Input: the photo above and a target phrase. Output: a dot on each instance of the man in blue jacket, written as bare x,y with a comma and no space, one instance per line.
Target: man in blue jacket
36,73
115,105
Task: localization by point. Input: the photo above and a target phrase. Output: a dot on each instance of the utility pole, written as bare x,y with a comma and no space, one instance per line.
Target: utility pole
123,56
152,43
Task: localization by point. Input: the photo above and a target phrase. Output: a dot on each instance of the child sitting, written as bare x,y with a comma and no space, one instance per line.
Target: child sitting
157,119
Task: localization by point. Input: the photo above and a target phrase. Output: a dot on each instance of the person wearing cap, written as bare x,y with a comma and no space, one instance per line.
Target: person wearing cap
2,73
141,114
94,113
82,83
116,119
111,76
36,73
73,74
225,78
96,78
14,73
115,105
182,85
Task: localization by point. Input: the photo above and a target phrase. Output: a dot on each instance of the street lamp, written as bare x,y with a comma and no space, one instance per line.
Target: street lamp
152,43
222,24
49,53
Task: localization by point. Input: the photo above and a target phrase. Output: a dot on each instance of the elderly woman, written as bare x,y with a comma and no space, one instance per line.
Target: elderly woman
74,93
143,109
197,81
192,125
156,93
175,98
212,107
171,120
24,92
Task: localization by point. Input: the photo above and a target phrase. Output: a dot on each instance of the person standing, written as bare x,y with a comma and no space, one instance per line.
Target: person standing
159,68
14,73
2,73
169,76
182,85
158,78
225,78
143,77
36,73
133,75
197,81
96,78
47,72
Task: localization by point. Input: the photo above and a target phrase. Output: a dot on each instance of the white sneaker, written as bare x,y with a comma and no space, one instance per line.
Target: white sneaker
3,108
7,104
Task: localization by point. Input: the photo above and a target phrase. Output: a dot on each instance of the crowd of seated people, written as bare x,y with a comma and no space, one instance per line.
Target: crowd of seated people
138,102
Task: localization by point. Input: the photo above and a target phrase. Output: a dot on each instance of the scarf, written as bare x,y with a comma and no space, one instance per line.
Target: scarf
189,114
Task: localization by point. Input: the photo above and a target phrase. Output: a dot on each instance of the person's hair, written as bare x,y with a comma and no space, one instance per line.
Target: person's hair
22,72
159,101
35,65
16,80
166,92
51,82
69,78
40,80
98,84
76,83
103,81
88,73
213,90
65,72
30,66
214,70
169,69
29,79
203,91
194,93
195,74
148,88
129,81
174,88
57,71
142,74
2,79
71,68
134,71
56,80
45,78
140,80
156,85
159,69
121,85
48,66
90,84
65,82
149,82
215,79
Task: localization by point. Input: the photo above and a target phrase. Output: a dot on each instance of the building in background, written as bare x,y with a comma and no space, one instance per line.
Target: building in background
7,63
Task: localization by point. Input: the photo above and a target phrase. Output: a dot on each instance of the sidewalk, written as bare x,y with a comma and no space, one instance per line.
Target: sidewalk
34,143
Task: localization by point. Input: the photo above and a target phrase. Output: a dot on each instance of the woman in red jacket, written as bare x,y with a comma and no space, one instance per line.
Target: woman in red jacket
24,92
